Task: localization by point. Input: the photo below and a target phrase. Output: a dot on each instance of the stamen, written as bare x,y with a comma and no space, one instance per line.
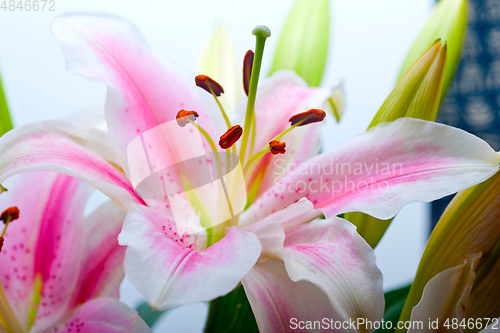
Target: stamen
8,215
261,33
210,85
184,117
247,70
207,83
228,139
277,147
308,117
2,189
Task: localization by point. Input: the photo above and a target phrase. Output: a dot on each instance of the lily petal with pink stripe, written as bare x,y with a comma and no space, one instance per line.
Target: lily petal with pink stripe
142,92
381,170
73,260
318,270
65,147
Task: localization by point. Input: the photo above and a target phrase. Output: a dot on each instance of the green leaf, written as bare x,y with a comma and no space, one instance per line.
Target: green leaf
148,314
5,121
448,21
394,302
303,44
231,313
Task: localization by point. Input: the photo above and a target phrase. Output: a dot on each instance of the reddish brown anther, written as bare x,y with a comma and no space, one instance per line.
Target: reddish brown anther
228,139
207,83
12,212
1,243
308,117
277,147
184,116
247,70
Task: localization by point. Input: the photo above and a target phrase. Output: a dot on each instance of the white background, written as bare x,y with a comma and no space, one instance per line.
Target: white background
369,39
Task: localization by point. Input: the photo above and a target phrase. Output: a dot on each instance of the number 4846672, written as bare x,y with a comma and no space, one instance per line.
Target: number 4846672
28,5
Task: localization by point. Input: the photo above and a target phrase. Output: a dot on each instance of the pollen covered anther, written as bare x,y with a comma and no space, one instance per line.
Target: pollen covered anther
308,117
12,212
228,139
184,116
247,70
207,83
277,147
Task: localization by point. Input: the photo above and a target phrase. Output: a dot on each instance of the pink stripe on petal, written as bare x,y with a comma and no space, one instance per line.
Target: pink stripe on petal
142,92
382,169
331,255
67,148
279,304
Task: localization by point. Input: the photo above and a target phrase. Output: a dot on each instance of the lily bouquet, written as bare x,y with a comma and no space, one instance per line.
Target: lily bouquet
237,205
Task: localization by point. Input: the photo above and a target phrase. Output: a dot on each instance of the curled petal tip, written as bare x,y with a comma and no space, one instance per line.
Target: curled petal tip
210,85
183,117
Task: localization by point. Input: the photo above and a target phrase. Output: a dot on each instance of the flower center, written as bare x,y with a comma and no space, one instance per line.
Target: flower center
251,71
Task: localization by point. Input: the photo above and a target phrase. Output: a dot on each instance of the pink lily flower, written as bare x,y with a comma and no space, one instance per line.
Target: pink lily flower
290,268
60,271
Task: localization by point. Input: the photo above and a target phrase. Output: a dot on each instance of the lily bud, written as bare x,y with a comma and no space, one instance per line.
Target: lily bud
416,95
303,44
469,225
448,21
418,92
218,59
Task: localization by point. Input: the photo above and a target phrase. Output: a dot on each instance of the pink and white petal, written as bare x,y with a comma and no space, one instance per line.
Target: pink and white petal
101,269
294,215
45,241
103,315
280,97
331,255
67,148
31,193
169,272
381,170
446,295
142,92
279,304
271,237
60,247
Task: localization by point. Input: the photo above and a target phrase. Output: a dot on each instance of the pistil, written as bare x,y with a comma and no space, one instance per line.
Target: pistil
261,33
